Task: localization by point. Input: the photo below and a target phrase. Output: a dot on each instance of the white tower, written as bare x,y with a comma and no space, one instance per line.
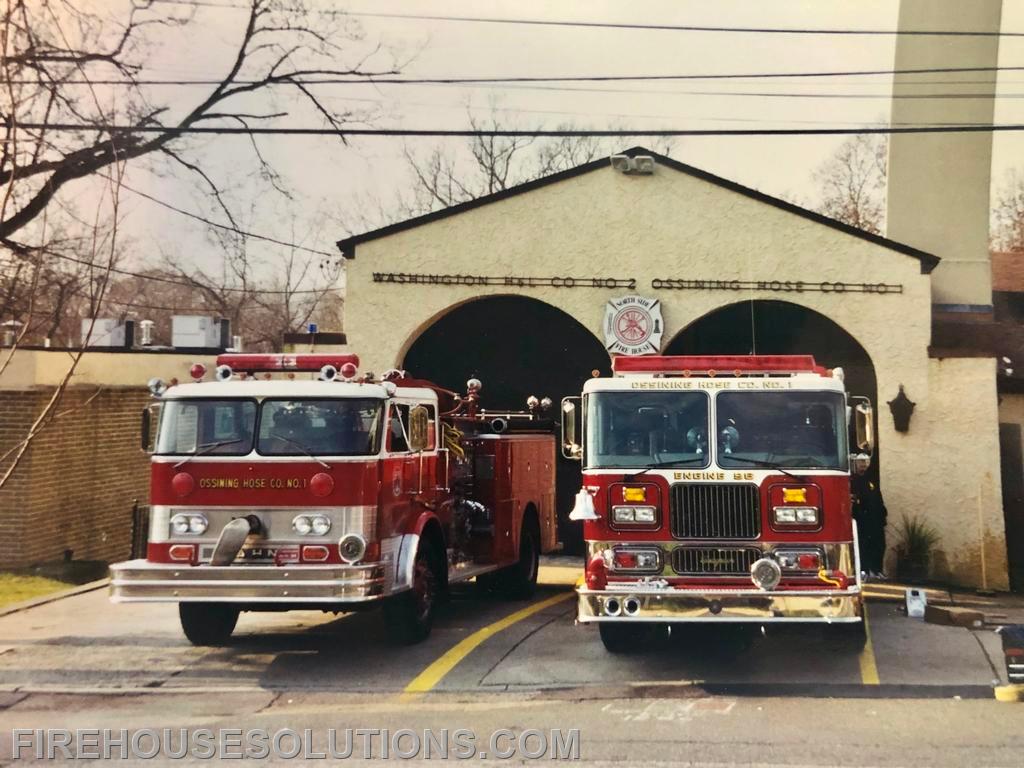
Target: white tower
938,187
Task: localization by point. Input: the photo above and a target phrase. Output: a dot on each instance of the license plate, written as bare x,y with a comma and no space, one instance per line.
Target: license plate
259,553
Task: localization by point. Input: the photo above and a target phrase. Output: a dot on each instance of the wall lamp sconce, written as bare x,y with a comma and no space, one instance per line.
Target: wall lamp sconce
902,408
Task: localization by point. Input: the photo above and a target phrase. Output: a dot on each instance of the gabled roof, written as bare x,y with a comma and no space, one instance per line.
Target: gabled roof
928,261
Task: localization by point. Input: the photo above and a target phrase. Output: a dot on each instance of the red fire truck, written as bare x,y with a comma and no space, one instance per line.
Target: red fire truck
717,489
325,489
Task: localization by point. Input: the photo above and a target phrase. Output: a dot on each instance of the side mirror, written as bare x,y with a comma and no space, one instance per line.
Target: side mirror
419,429
864,426
572,412
150,423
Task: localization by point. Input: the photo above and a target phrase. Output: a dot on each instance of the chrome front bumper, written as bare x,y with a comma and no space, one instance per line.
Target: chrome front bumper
139,581
740,605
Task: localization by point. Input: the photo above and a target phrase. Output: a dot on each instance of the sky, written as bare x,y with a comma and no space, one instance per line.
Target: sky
334,183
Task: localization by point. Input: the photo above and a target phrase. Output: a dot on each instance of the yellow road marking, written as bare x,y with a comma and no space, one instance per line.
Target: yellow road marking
868,667
433,674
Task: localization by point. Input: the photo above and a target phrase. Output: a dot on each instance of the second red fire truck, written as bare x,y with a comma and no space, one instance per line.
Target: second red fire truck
717,490
294,482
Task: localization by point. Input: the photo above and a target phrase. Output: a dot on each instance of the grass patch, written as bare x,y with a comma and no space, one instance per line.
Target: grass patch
16,587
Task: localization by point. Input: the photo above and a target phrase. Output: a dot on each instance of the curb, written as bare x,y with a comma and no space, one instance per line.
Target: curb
54,596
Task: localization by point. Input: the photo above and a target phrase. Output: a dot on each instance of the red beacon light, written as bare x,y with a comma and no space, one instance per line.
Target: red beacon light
348,371
197,371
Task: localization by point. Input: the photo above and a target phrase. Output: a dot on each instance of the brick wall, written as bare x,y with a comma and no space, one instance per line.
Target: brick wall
76,485
1008,271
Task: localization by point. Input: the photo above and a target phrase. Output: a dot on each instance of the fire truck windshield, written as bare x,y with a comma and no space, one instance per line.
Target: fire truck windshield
336,427
327,427
215,427
636,429
782,429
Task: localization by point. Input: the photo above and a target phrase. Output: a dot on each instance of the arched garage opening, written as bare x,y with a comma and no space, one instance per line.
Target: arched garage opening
783,328
517,346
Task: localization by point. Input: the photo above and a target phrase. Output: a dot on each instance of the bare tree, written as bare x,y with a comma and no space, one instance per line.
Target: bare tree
1008,214
851,183
52,48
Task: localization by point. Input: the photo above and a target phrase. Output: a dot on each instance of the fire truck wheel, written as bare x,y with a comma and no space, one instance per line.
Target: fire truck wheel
624,638
410,615
207,623
519,581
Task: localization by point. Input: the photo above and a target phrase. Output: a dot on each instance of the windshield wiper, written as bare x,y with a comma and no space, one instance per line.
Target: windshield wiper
661,464
759,463
302,448
206,448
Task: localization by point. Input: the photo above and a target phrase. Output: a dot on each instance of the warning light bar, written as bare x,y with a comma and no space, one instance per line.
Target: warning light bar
718,365
291,363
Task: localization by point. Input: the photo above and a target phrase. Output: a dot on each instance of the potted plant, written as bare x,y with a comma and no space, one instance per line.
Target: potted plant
914,544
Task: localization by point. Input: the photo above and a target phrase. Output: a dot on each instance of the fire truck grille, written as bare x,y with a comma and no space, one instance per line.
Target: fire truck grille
712,511
690,561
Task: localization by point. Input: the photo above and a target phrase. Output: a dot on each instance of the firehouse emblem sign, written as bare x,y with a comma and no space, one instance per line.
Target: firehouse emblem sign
633,325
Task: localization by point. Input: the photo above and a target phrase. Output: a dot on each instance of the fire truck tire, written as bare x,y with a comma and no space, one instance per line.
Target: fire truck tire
624,638
410,615
207,623
519,581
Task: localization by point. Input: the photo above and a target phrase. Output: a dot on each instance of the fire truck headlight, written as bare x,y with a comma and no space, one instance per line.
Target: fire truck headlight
796,515
631,514
321,524
302,525
194,523
352,547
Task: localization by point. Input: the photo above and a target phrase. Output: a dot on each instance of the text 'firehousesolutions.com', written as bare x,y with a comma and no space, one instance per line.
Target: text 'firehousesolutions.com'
289,744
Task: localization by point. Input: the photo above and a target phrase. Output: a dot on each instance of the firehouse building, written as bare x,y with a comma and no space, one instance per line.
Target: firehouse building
533,288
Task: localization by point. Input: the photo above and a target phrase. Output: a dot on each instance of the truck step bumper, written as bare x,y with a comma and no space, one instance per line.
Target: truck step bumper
139,581
752,606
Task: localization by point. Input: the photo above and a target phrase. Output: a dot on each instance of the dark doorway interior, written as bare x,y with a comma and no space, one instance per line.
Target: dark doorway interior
1013,501
779,328
517,347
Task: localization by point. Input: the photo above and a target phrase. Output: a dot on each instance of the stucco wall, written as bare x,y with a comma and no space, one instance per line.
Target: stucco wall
673,225
946,470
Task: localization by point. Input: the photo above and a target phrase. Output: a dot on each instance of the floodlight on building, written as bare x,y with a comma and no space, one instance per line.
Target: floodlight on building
622,163
643,164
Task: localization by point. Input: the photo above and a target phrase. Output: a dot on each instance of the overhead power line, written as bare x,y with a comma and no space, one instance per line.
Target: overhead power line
635,26
469,80
510,133
175,281
220,225
852,31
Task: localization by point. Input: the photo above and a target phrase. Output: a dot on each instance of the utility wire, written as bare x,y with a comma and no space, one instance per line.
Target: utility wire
510,133
174,281
615,25
466,80
692,27
219,225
